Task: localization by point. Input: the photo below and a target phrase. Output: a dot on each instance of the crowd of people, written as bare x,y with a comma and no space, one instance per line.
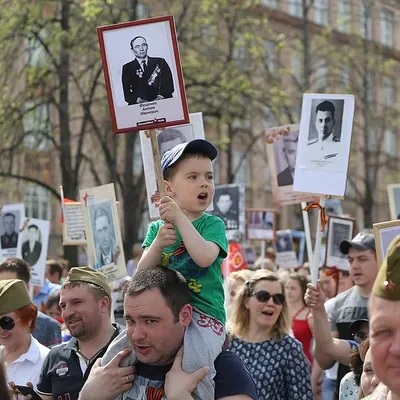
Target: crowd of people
173,329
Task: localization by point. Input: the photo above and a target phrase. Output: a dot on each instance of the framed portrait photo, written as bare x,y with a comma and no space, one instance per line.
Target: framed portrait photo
12,219
384,233
394,200
285,250
167,139
261,224
299,241
281,145
324,144
103,233
339,229
73,227
143,74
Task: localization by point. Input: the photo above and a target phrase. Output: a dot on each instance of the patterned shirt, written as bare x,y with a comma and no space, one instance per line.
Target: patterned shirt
279,368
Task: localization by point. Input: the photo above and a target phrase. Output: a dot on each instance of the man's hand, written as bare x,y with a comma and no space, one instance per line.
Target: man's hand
166,235
178,384
314,297
105,383
169,210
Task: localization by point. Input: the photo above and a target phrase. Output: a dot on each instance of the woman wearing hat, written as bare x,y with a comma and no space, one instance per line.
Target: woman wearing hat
259,326
21,353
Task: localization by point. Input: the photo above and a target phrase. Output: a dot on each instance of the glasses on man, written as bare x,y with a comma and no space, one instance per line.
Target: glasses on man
360,336
263,297
7,323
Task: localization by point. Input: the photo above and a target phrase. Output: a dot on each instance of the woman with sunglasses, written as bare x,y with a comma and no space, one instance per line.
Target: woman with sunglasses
259,332
21,353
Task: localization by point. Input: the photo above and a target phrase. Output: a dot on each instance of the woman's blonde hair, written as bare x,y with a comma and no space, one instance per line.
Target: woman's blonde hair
239,321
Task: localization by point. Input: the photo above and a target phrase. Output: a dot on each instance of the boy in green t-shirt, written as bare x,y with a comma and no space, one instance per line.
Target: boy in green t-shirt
193,242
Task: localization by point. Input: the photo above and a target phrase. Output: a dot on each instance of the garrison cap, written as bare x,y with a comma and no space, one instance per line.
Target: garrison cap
13,295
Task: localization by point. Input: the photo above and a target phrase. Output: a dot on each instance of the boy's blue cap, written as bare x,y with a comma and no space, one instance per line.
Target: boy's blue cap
170,157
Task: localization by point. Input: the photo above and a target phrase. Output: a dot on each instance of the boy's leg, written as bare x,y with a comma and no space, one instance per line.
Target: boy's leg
120,343
203,341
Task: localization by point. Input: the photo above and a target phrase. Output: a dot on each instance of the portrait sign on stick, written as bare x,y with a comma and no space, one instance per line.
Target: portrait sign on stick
103,232
143,74
384,233
35,242
12,219
324,144
285,252
394,200
229,205
299,241
281,144
261,224
339,229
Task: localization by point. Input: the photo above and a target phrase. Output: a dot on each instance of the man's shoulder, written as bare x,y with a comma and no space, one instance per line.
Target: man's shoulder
131,64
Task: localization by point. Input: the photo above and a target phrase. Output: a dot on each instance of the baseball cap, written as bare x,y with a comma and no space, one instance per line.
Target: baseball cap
170,157
13,295
354,327
362,241
88,275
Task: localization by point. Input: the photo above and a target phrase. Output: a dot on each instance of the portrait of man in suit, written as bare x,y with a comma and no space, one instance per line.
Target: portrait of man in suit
226,207
9,239
32,248
104,237
284,243
146,78
289,151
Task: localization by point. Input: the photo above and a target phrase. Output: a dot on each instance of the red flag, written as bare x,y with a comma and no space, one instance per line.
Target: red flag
65,201
237,259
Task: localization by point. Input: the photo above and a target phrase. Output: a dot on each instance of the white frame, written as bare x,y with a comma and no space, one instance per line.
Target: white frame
11,208
392,227
394,212
286,259
260,233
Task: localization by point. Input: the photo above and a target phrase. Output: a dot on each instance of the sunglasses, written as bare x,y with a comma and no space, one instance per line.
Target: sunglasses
263,297
360,337
7,323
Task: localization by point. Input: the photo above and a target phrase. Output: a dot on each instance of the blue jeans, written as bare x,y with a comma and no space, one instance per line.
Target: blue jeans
328,388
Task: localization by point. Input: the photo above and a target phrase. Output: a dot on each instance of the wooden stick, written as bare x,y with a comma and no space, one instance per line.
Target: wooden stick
307,232
318,238
157,162
262,254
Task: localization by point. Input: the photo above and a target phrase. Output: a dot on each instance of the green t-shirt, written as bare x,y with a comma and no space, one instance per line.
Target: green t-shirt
205,284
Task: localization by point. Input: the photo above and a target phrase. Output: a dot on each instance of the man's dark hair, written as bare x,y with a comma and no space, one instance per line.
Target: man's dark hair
137,37
170,172
326,106
34,227
8,215
99,212
225,193
54,268
54,298
170,283
18,266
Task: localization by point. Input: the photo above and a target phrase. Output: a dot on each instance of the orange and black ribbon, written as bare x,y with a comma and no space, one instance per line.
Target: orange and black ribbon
323,214
334,272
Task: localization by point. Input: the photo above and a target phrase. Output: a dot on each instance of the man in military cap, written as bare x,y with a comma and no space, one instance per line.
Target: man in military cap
225,212
85,301
384,309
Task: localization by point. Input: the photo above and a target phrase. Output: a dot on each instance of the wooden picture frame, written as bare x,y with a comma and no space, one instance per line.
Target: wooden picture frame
143,96
384,233
261,224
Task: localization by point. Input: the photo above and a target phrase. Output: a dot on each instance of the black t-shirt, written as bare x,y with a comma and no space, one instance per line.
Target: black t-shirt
61,376
232,378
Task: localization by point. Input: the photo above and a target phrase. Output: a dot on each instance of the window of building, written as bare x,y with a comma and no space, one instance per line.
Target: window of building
344,15
269,3
321,75
365,20
36,124
142,11
390,142
137,158
240,53
321,12
297,64
35,53
37,202
345,76
267,178
388,92
372,142
296,8
243,173
269,56
386,22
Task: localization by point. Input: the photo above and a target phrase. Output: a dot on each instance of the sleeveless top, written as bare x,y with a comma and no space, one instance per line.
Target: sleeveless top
302,333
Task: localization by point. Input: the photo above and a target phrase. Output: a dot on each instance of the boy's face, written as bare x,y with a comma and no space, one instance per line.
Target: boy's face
192,186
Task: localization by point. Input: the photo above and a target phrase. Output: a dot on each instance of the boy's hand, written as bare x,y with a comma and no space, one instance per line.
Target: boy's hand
166,235
169,210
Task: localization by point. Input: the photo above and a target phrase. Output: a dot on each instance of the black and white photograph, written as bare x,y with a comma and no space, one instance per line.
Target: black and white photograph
103,232
229,206
35,240
167,139
394,200
299,242
12,217
261,224
384,233
324,144
339,229
281,145
333,207
143,74
285,253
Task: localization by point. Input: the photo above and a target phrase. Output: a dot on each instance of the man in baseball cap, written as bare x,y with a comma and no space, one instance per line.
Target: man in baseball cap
363,241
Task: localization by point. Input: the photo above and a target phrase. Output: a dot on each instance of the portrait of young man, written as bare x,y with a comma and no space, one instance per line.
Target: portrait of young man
9,239
32,247
226,206
286,158
146,78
